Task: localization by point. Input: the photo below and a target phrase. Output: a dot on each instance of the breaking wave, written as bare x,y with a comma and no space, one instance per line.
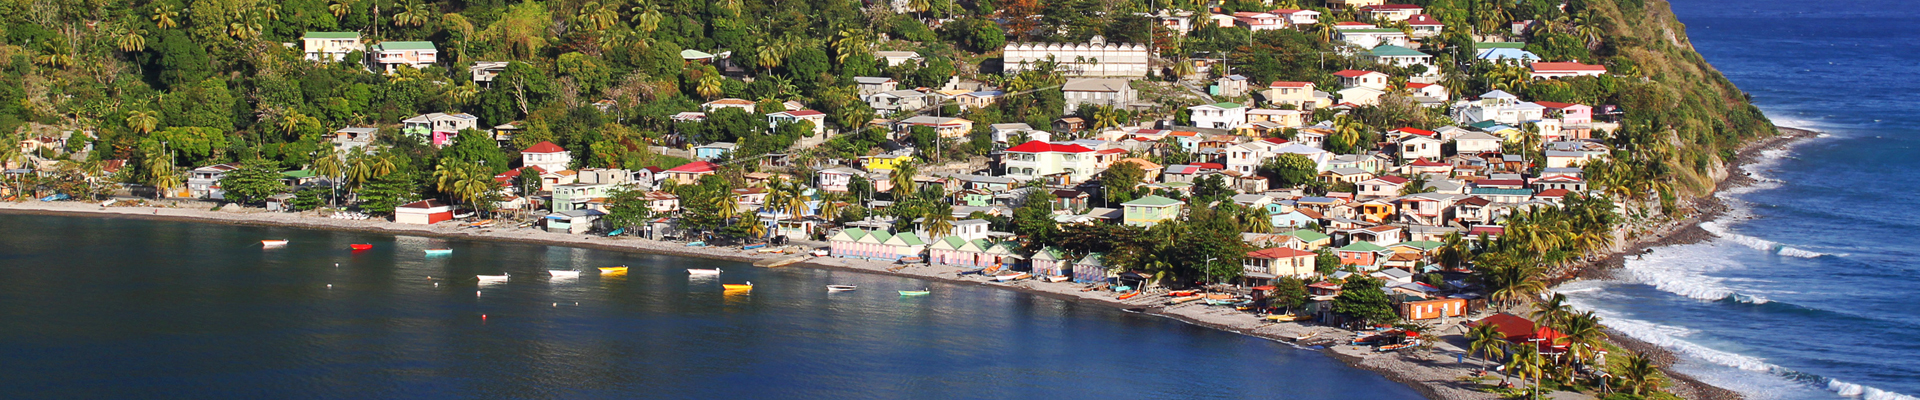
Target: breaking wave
1864,392
1769,246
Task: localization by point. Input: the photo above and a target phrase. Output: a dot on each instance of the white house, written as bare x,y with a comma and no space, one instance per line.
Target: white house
1424,26
1099,91
1361,95
1095,59
391,55
819,119
1219,115
1298,17
204,182
438,129
716,105
1038,159
1370,38
871,85
1498,106
1391,12
1417,147
1476,143
547,156
1259,21
1246,158
485,71
330,46
1358,78
424,212
1401,57
1550,70
897,57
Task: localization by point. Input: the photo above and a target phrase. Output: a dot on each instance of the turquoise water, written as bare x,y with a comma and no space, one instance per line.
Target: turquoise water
117,308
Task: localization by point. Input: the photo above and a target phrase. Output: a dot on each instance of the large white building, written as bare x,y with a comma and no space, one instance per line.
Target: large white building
1218,115
330,46
1501,107
1038,159
1097,59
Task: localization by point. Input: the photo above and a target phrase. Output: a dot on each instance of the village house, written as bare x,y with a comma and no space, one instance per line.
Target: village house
483,72
689,173
1551,70
1424,26
1279,262
424,212
1476,143
1385,186
1151,210
872,85
1036,159
547,156
1367,38
330,46
945,127
1401,57
1259,21
438,129
1234,85
1094,59
875,244
1297,18
1391,12
204,182
1363,255
1367,79
742,104
1300,95
818,119
895,58
978,99
1112,92
837,178
897,100
887,161
1218,115
390,56
1417,147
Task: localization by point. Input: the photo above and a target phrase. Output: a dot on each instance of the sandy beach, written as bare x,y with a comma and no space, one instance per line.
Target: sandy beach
1434,373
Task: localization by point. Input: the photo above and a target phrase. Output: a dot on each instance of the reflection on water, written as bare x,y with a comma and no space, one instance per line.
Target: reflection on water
99,308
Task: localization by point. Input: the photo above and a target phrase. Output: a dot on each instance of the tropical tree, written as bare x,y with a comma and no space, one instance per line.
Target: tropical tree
1584,335
328,163
1487,342
340,8
413,13
166,17
902,179
465,182
130,39
1638,373
253,182
938,221
598,16
708,82
1454,250
1552,312
143,121
1525,364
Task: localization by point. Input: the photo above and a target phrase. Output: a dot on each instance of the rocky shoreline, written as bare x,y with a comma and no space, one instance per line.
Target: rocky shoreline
1434,374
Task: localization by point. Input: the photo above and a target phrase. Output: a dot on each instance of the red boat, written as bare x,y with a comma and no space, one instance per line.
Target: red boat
360,246
1129,295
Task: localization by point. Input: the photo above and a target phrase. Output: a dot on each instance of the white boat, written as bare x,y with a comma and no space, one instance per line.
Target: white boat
564,274
819,253
502,277
697,271
839,288
1058,278
1004,278
273,243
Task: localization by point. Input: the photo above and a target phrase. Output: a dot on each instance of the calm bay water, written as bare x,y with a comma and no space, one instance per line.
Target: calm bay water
116,308
1809,293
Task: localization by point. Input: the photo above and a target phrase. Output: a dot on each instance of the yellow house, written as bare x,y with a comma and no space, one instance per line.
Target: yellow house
1376,210
885,162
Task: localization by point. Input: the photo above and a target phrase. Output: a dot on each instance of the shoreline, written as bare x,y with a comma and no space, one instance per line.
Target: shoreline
1426,372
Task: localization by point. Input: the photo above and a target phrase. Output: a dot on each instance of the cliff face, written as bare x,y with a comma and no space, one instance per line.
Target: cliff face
1683,115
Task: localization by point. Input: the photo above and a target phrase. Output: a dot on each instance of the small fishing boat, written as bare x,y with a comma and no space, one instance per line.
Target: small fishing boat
1289,317
737,287
921,292
697,271
839,288
752,246
273,242
697,244
1184,299
819,253
614,270
360,246
502,277
1011,277
1182,293
1393,347
1129,295
1220,302
1058,278
439,252
564,274
617,232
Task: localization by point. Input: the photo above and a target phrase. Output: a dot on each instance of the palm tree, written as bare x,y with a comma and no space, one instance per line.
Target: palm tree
1525,363
902,180
463,94
1553,311
725,206
143,121
467,183
328,163
130,39
414,13
768,57
1488,342
165,17
938,221
340,8
598,16
708,82
646,16
1584,335
1639,373
830,207
364,166
1454,250
850,42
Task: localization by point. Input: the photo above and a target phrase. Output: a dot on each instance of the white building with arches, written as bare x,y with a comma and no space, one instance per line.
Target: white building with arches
1096,59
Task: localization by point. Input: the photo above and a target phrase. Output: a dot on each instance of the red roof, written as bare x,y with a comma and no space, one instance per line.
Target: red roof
1390,7
1512,327
1567,66
1287,84
1113,151
1278,11
543,148
1393,179
1424,163
1474,201
695,167
1552,193
1354,73
1280,252
1208,165
1422,19
1489,230
1351,23
1044,147
1276,140
1416,131
1499,182
1555,104
1418,85
804,113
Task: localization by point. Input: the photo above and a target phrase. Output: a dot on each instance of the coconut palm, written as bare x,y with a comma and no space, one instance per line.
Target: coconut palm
851,41
1487,342
143,121
340,8
328,163
1584,335
902,180
465,182
130,39
708,84
1553,311
830,207
414,13
165,17
1638,373
1525,363
724,206
938,221
598,16
646,16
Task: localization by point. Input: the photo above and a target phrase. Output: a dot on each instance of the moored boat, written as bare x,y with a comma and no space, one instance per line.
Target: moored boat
921,292
1289,317
273,242
1393,347
614,270
564,274
697,271
502,277
731,287
840,288
1222,302
360,246
439,252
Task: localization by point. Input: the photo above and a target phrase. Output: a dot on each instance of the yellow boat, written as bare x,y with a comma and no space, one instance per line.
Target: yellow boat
741,287
1289,318
614,270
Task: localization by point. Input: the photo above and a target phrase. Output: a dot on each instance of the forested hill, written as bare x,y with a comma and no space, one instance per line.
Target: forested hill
167,84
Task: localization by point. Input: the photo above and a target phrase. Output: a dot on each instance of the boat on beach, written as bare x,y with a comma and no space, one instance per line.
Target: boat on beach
564,273
697,271
741,287
1011,277
614,270
1289,317
840,288
273,242
1058,278
1129,295
921,292
697,244
1184,299
362,246
439,252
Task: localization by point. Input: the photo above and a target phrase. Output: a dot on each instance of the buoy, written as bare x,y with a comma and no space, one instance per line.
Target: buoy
556,304
329,286
476,293
436,284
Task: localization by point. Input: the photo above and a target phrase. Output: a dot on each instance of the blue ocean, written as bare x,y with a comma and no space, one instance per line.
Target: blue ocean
1809,293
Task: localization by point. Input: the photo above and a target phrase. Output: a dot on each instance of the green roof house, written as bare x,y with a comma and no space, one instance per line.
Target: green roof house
393,55
1151,210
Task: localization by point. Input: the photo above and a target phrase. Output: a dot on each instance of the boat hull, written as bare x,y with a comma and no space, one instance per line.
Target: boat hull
839,288
715,271
273,243
360,246
613,270
564,274
736,288
914,292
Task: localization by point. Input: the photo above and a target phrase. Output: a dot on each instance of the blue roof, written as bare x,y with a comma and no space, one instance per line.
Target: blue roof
1507,54
1497,191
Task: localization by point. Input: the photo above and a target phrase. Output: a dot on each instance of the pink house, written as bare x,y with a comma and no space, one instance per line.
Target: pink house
1550,70
1576,120
1257,21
